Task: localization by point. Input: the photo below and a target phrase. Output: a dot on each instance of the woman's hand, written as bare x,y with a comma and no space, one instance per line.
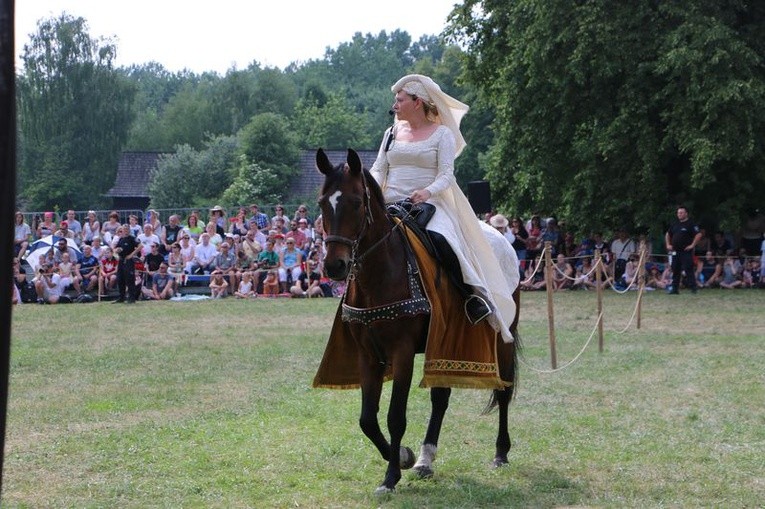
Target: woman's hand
419,196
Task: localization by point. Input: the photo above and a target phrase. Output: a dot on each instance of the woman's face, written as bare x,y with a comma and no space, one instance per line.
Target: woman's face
404,105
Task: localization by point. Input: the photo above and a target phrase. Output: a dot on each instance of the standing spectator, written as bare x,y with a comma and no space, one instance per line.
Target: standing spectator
258,219
704,244
128,249
533,242
74,226
680,242
91,228
622,247
21,238
204,255
521,236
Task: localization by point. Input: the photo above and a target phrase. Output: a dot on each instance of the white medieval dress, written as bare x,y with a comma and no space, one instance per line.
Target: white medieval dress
488,261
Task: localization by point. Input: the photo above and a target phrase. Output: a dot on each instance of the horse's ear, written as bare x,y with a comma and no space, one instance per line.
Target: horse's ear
322,162
354,161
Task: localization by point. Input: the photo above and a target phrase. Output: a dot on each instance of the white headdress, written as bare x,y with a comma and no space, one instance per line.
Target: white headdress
450,110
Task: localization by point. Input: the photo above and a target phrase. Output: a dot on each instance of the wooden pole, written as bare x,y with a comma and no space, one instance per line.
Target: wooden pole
641,280
550,314
599,290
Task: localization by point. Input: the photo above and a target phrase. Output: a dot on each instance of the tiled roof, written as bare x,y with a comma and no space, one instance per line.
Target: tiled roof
309,183
133,172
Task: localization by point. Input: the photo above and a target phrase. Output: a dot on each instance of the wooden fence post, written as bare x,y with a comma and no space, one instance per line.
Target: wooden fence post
599,290
550,314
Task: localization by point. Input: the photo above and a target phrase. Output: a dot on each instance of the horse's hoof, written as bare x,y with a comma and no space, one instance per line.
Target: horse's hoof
384,490
406,458
423,471
499,462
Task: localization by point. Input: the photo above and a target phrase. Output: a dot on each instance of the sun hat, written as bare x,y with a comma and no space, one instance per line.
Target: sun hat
498,221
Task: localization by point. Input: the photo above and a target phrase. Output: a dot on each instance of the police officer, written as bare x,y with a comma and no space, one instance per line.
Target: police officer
128,249
681,240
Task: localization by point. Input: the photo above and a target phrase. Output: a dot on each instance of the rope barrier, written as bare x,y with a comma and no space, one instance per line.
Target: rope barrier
569,363
537,263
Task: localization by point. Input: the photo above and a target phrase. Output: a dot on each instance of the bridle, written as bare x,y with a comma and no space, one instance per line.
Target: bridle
353,243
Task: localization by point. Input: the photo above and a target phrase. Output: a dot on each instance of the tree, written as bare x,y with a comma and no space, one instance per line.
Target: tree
74,116
333,124
190,177
610,113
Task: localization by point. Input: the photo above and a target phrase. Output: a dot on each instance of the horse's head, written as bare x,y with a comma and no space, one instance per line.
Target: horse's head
345,211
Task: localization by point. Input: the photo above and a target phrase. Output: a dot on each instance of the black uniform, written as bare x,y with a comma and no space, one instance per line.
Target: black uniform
681,235
126,267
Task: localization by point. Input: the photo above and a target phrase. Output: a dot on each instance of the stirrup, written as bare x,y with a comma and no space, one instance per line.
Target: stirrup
476,309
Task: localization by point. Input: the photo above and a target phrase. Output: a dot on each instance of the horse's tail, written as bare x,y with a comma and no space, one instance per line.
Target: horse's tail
516,347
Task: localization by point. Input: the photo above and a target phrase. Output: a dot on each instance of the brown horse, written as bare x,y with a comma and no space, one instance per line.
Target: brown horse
365,248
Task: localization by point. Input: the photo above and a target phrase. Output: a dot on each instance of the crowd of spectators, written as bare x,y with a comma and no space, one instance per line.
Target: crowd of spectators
251,254
244,256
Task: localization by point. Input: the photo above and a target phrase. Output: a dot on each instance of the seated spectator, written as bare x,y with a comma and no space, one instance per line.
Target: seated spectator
305,228
731,277
91,228
152,218
703,245
302,213
290,260
176,264
162,283
218,218
280,226
225,263
268,260
218,285
193,228
22,237
171,234
308,283
109,228
62,246
96,247
47,226
279,213
88,268
212,231
299,237
108,272
48,285
721,246
134,226
583,274
246,288
15,295
151,265
534,240
74,226
239,223
271,283
64,231
244,263
187,247
521,236
204,256
253,242
148,240
630,276
748,272
562,273
622,247
708,271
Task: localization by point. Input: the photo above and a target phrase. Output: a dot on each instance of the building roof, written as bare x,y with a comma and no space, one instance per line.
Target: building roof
311,180
134,170
133,173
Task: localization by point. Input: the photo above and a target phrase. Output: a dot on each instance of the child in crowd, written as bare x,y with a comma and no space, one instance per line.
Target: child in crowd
66,272
271,283
246,288
108,274
218,285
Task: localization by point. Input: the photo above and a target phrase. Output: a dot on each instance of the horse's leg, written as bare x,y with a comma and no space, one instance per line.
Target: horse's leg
403,364
439,402
506,353
371,388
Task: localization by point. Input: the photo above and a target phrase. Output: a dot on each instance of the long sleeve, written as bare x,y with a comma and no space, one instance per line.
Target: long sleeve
446,153
380,167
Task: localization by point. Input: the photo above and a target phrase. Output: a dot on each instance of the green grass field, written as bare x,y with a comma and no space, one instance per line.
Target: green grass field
209,404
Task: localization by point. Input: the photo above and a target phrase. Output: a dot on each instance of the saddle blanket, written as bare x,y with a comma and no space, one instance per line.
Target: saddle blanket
457,353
